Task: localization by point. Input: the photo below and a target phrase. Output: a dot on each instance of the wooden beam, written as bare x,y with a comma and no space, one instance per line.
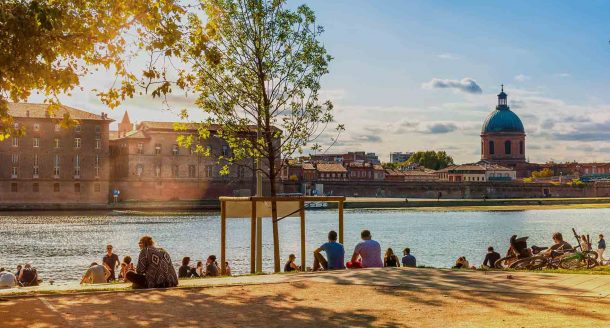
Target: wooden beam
341,222
284,198
302,215
223,235
253,239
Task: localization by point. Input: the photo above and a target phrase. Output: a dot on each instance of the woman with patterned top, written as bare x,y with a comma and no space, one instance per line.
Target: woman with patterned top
155,269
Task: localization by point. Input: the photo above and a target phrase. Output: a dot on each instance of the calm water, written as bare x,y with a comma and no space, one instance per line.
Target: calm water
62,246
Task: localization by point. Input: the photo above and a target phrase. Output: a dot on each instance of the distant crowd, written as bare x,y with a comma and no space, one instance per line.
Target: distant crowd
154,268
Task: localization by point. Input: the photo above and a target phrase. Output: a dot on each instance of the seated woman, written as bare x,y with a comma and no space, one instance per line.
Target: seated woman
199,269
155,269
96,274
211,267
290,265
126,266
461,263
390,260
28,276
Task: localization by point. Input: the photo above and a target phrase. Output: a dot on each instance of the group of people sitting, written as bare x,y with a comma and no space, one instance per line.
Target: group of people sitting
211,268
24,276
367,254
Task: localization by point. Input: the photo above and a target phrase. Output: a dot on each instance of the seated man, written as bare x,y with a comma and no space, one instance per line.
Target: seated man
369,251
334,252
491,257
96,274
408,260
185,271
154,269
28,276
559,245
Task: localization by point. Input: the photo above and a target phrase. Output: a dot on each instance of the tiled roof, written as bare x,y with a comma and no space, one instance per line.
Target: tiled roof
377,167
40,111
308,166
331,168
416,173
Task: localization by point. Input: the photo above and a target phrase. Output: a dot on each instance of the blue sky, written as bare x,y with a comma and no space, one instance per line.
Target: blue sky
406,74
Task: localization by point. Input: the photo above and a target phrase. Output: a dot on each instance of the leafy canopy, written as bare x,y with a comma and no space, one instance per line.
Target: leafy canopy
431,159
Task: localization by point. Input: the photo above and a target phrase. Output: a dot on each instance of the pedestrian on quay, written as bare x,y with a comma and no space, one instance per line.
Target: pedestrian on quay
112,262
601,248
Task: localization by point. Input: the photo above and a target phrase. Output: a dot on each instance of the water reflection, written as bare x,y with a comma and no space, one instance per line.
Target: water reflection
61,246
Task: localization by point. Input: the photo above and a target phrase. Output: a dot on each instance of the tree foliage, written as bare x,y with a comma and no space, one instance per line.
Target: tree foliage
47,46
544,173
431,159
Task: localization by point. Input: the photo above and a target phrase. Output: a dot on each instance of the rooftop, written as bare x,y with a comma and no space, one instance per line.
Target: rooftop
41,111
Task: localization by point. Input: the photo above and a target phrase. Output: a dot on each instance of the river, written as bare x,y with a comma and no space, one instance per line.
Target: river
61,246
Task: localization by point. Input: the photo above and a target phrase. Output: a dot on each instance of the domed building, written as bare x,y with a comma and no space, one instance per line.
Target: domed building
503,136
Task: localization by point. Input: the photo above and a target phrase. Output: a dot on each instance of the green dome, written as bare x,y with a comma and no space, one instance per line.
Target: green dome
502,119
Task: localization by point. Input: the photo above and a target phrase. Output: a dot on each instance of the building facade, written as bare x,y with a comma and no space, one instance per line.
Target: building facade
55,162
149,164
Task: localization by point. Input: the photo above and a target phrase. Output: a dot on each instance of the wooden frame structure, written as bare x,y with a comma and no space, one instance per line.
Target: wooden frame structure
235,207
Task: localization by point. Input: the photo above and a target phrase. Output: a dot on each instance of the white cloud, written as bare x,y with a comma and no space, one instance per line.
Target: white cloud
448,56
522,78
563,75
466,85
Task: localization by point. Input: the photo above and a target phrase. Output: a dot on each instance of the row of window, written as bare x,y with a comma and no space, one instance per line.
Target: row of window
77,128
192,171
57,142
56,187
333,175
176,149
507,147
56,166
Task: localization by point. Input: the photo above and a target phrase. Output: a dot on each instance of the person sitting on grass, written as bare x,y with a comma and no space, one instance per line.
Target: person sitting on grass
559,245
227,269
7,279
199,269
185,271
461,263
96,274
334,252
155,269
368,250
491,258
408,260
390,260
28,276
126,266
290,265
211,267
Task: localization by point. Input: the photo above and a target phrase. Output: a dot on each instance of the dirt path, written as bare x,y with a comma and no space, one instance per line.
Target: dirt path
400,298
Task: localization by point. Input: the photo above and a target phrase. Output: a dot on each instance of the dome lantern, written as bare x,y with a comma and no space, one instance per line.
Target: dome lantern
502,99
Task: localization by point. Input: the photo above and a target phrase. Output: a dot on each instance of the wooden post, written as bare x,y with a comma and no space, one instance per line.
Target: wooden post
341,221
223,235
253,239
302,214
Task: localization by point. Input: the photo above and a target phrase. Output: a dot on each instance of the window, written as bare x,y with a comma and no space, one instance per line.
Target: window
507,147
97,187
77,187
175,150
56,187
157,149
57,127
15,141
98,128
140,148
36,142
35,171
76,165
98,141
208,171
175,171
14,171
139,169
521,147
15,158
76,142
36,127
14,187
77,128
158,170
492,149
56,167
35,187
56,142
192,171
225,150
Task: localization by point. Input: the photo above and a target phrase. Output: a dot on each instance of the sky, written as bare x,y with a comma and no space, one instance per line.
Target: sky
423,75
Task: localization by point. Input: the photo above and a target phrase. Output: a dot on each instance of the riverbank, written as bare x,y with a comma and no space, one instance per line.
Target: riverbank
161,208
363,298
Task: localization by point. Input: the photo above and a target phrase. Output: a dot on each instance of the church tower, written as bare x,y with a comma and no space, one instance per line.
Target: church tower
125,125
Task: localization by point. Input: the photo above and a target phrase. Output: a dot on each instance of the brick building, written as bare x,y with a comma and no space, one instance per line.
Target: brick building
54,164
148,164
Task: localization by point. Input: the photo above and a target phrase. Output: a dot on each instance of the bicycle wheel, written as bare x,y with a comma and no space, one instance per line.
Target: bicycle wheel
592,254
577,261
504,263
530,263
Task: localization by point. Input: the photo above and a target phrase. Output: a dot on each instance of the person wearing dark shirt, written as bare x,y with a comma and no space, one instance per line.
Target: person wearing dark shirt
559,245
491,258
112,262
408,260
390,259
290,265
185,271
601,247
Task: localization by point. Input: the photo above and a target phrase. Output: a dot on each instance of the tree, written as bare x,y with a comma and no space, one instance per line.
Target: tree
431,159
544,173
48,45
255,66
